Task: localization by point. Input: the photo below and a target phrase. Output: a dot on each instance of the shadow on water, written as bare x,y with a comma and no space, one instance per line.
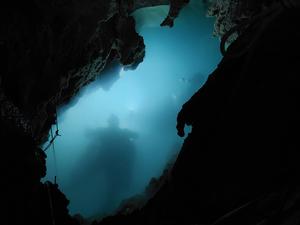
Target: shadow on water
99,163
108,163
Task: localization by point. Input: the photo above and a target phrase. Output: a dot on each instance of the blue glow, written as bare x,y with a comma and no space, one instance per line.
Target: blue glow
146,102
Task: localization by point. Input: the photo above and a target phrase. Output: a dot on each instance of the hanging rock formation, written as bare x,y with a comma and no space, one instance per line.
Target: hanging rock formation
49,50
239,165
241,159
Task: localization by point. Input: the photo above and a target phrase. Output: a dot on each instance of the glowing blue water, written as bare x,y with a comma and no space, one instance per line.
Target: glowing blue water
145,101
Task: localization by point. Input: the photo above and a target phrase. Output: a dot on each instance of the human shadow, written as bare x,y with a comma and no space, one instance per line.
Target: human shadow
107,165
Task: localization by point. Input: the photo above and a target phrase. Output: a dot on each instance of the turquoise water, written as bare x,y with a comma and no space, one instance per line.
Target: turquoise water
119,132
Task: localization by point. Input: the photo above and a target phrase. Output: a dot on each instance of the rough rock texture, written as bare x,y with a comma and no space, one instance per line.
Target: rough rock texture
232,13
49,50
239,165
242,153
53,48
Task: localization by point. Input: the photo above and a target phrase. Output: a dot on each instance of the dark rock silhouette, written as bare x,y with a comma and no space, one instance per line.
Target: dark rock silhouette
175,7
110,159
242,156
49,50
239,165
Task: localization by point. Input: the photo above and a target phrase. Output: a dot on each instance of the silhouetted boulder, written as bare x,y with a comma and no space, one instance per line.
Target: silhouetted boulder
49,50
239,165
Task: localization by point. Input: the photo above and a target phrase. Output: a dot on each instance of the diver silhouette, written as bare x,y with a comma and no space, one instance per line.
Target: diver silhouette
109,162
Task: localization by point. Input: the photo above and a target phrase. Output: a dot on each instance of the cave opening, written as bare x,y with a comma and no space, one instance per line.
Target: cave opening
119,131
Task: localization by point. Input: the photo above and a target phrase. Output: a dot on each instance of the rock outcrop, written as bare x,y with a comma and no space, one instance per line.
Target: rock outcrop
241,159
53,48
239,165
49,50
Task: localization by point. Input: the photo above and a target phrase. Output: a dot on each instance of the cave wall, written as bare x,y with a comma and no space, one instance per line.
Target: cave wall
239,165
53,48
49,50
